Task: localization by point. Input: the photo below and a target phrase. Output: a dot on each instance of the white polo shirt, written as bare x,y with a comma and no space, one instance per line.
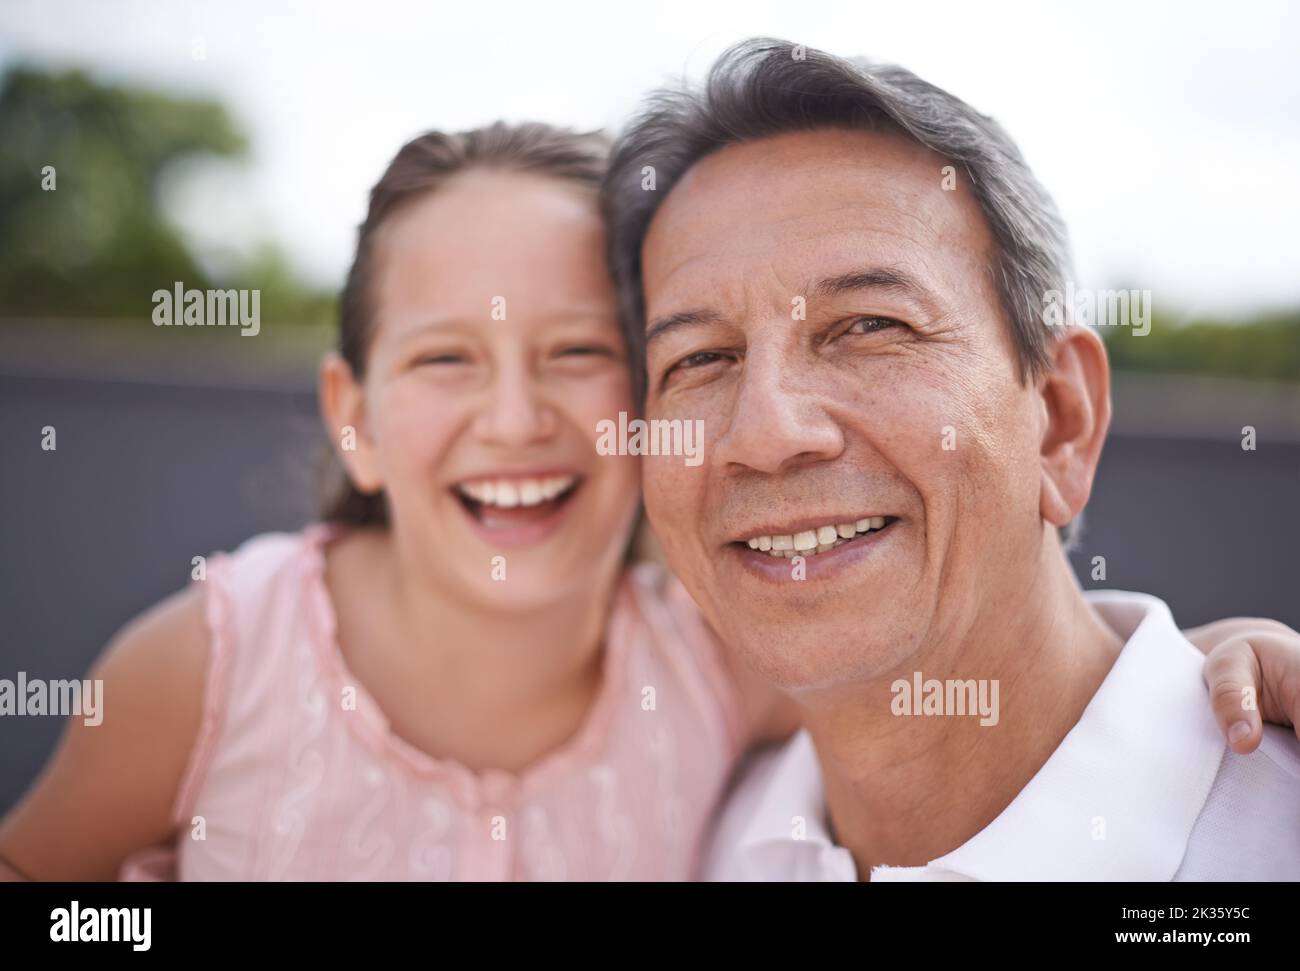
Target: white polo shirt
1142,788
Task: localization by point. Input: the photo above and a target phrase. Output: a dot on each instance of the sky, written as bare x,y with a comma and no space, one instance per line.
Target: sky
1168,133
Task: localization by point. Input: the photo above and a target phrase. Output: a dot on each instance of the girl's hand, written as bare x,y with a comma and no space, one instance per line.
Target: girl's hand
1252,667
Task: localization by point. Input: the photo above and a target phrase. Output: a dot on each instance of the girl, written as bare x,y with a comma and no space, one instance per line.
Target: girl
457,675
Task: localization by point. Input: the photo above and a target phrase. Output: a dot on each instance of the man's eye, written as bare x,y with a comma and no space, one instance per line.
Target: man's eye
869,325
691,362
698,359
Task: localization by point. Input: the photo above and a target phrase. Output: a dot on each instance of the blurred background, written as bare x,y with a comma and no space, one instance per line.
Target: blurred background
233,144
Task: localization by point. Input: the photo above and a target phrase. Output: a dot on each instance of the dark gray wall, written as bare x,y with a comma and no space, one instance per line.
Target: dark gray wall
147,475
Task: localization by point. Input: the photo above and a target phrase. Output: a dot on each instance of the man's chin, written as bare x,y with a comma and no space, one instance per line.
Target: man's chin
815,658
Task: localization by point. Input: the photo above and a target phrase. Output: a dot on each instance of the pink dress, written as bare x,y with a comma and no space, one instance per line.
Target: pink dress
288,781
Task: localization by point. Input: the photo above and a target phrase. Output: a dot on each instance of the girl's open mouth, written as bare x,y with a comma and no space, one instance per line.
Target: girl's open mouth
516,510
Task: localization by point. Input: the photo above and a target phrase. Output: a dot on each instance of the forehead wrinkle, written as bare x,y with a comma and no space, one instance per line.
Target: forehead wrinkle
926,232
798,230
736,288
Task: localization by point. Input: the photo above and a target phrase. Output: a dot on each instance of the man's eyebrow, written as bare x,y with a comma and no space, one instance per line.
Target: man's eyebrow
879,278
874,278
686,318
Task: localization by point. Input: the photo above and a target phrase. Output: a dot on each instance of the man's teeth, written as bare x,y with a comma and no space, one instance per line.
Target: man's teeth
507,494
817,540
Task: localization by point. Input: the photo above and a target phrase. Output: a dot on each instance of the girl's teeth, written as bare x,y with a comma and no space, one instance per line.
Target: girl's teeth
813,541
507,494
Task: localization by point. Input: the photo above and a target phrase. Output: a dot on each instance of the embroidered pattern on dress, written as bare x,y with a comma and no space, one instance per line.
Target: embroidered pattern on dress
429,857
542,858
614,827
306,764
363,842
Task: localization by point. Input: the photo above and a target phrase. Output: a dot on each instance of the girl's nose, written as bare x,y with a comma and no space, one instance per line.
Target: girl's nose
517,412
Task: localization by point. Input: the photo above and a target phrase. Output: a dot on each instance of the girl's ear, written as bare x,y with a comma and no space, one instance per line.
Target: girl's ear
1076,396
343,409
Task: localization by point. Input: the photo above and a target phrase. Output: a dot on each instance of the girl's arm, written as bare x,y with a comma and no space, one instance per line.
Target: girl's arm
109,788
1246,658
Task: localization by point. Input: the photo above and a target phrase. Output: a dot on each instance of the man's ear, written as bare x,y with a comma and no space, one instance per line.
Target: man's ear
1076,399
343,409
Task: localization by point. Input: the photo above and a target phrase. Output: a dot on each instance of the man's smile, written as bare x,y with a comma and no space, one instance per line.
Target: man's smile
828,545
810,540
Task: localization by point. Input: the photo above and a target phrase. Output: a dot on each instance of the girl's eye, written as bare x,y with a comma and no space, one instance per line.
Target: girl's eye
440,359
583,350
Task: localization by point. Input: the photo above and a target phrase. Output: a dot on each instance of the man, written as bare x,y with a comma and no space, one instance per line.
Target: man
842,270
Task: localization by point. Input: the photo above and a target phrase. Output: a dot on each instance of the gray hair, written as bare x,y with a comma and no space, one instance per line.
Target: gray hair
764,87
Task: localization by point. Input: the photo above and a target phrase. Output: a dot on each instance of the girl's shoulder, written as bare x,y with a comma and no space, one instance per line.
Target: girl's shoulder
654,601
162,657
111,786
754,710
172,670
659,613
267,575
266,554
259,596
655,582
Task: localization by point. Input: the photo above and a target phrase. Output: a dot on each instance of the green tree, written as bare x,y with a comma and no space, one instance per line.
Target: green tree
99,243
1265,347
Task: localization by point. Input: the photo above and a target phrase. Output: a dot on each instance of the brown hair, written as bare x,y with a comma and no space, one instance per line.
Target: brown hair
420,166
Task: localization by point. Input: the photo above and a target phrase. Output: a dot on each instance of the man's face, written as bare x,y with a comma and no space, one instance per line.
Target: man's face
832,317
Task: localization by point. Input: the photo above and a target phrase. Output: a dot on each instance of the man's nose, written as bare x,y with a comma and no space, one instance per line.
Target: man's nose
778,419
517,411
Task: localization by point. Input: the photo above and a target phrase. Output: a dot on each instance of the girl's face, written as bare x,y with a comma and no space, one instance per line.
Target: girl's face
495,353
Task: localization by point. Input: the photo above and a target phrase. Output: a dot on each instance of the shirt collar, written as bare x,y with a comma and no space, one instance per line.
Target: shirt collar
793,794
1116,801
1118,798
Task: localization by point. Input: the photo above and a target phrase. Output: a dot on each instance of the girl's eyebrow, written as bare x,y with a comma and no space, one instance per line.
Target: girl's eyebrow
577,314
437,325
